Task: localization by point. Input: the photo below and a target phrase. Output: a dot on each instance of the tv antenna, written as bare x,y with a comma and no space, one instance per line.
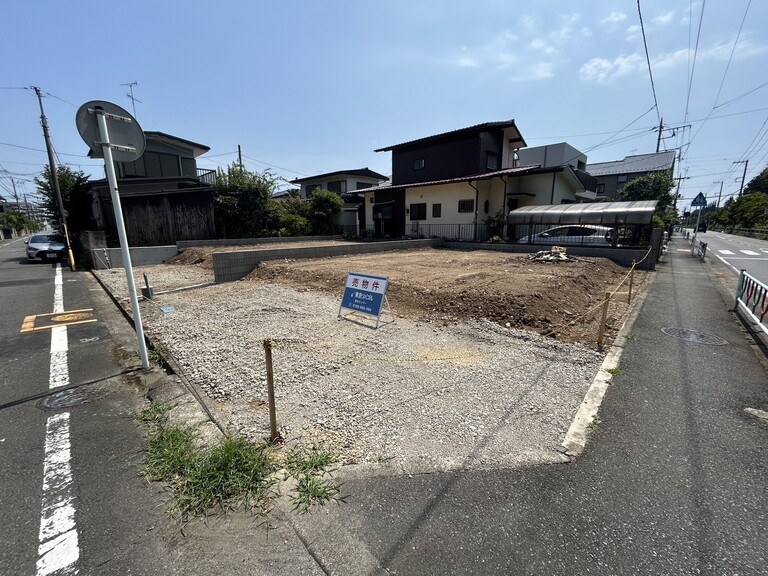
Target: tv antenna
131,96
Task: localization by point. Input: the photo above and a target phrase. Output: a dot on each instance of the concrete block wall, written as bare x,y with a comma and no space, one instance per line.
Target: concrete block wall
253,241
621,256
231,266
140,256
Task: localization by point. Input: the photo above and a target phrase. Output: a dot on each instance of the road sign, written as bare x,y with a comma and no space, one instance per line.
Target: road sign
699,200
113,134
126,138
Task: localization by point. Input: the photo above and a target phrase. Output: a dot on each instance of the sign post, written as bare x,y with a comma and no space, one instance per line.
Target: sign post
364,295
91,120
699,202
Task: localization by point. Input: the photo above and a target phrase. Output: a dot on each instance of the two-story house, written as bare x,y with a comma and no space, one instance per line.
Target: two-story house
613,176
164,196
453,184
346,183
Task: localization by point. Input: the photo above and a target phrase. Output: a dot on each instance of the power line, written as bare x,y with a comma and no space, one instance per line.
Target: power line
648,60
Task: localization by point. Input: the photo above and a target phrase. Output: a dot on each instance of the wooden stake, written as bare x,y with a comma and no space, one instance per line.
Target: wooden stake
271,391
603,320
631,279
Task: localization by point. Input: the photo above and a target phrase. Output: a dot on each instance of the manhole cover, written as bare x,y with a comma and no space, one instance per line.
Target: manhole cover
75,396
63,399
696,337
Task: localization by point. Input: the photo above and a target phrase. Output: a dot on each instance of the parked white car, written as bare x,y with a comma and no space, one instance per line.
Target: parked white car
574,235
47,247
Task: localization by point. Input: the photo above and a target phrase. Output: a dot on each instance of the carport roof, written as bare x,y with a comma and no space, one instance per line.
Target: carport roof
605,213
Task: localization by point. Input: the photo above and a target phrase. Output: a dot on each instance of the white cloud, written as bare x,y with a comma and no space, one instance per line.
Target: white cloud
466,62
632,33
604,70
541,46
664,19
537,71
614,18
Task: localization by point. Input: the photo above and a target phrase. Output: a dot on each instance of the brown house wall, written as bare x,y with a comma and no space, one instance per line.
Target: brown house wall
162,220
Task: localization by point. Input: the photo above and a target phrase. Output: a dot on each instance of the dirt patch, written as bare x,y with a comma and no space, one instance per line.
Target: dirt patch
562,299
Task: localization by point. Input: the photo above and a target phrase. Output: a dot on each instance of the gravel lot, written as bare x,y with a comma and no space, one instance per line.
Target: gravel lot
411,396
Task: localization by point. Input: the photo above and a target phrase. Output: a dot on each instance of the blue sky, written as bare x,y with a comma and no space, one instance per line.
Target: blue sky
311,87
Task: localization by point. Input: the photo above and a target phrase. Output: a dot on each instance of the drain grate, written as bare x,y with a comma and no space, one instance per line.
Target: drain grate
695,337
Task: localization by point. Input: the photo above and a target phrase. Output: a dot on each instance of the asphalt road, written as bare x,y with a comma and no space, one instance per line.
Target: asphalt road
738,252
73,500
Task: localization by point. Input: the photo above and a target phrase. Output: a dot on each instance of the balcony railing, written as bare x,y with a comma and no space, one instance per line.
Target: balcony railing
206,176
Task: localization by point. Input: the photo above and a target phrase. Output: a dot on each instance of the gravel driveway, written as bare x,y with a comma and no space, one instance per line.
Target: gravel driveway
408,397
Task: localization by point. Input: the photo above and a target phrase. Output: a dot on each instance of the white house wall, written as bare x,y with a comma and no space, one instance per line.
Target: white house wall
350,180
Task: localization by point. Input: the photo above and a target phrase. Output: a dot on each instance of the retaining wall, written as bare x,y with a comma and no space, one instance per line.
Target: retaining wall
231,266
140,256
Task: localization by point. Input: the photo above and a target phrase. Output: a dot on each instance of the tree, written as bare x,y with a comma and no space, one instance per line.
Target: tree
18,221
324,206
75,187
758,184
243,205
750,211
657,186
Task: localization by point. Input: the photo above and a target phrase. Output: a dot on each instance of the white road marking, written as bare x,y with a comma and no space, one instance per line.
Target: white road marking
58,549
749,252
726,252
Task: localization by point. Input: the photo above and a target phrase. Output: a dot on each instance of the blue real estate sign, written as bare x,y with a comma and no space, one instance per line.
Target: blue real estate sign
364,294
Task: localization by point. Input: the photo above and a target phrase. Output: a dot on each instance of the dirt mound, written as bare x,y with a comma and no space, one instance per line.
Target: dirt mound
559,298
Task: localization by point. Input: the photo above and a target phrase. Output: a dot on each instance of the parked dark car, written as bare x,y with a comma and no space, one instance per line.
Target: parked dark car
47,247
702,227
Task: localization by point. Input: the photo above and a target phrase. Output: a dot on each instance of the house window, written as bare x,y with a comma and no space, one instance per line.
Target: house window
601,188
311,188
437,210
466,206
418,211
362,185
621,178
170,165
492,161
418,164
339,186
486,206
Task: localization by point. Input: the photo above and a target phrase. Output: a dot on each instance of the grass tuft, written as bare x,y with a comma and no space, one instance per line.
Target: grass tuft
233,474
309,466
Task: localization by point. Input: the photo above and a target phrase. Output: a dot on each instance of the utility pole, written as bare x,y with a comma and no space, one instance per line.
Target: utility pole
743,176
658,140
239,157
54,177
15,194
719,195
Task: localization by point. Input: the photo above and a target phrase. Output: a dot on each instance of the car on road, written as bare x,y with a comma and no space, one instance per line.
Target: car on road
46,247
576,235
702,227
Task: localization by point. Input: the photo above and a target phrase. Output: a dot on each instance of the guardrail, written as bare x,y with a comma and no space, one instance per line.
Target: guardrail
752,298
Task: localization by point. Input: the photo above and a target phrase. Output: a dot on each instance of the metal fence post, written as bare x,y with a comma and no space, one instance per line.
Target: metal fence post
739,288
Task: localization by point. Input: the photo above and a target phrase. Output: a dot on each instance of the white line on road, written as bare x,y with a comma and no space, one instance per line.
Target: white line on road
58,549
726,252
750,252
